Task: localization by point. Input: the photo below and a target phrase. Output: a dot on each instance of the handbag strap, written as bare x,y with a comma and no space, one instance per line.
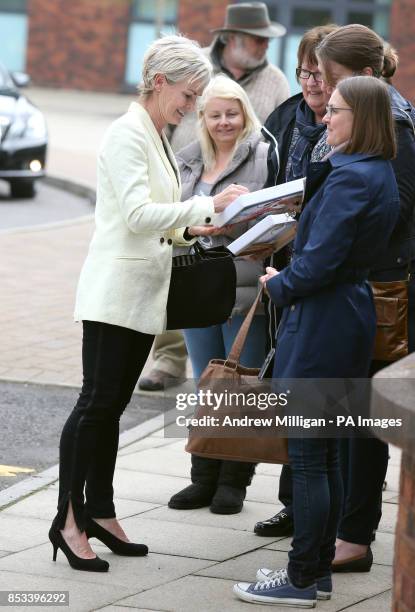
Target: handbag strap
239,342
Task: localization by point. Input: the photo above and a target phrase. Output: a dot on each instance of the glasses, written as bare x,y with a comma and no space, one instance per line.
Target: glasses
302,73
333,110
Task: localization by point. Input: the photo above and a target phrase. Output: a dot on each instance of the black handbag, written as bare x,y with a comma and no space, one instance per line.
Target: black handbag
202,288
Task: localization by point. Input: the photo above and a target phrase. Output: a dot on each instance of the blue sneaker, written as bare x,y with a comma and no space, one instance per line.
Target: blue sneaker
324,584
278,592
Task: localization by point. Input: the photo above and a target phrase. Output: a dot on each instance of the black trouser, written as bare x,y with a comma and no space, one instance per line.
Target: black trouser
112,358
213,472
364,462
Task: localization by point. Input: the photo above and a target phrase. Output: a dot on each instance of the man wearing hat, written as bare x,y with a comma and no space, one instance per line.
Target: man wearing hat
239,51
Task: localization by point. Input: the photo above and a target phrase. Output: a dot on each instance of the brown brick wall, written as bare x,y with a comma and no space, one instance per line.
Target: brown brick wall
402,36
196,19
79,44
404,576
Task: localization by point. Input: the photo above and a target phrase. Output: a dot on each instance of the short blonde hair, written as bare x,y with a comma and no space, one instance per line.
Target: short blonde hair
222,86
176,57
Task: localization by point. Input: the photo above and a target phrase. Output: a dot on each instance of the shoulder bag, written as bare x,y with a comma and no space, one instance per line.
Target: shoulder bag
252,448
202,288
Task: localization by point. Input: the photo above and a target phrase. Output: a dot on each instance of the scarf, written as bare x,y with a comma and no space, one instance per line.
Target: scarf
308,134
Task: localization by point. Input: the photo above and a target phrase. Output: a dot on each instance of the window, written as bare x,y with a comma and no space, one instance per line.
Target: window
148,19
13,34
300,15
14,6
309,18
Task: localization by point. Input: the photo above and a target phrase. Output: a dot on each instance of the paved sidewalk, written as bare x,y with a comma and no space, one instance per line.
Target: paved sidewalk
195,556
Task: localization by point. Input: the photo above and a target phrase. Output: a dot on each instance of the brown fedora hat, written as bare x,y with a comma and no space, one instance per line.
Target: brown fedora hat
251,18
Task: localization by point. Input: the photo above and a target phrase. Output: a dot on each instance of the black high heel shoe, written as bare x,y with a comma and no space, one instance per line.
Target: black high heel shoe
119,547
87,565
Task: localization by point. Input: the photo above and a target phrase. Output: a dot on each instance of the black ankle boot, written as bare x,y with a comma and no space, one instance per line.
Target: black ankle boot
194,496
228,500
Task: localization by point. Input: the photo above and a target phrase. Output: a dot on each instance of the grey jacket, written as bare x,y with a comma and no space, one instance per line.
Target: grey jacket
249,168
267,87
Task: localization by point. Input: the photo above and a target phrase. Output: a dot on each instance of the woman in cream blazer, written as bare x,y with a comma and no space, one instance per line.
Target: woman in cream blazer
123,288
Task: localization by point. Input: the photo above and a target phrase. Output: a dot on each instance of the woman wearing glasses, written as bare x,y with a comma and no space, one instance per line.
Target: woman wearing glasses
357,50
297,134
328,322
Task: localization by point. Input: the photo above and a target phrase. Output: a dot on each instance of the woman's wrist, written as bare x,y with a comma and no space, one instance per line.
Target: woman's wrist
187,235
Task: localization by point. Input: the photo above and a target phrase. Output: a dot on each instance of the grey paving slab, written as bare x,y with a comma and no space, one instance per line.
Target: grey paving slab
395,455
379,603
149,442
168,537
81,597
389,518
244,521
177,444
138,574
383,548
392,478
43,506
129,608
20,533
146,487
269,469
210,595
245,567
264,488
391,500
157,461
190,594
283,544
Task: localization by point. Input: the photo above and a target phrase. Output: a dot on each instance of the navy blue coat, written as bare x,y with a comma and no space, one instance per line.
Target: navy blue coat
328,323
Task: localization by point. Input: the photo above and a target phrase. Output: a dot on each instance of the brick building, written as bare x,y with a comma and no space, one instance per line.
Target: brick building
98,44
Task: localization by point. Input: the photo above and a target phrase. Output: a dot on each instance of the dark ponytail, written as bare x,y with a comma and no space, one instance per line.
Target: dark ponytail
390,61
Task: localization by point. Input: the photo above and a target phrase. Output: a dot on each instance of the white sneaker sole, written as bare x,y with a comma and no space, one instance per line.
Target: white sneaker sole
268,601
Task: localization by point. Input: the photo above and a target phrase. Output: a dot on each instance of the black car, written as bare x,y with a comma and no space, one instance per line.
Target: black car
23,137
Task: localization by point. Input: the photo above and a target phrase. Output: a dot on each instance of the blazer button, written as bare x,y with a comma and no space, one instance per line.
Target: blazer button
169,241
161,240
208,220
293,307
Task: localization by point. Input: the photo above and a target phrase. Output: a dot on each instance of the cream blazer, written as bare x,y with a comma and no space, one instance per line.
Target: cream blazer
125,278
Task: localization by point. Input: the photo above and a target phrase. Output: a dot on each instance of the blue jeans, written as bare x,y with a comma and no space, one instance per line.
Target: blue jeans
317,503
206,343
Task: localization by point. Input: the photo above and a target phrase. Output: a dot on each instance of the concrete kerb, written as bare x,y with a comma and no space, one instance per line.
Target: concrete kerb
33,484
82,190
77,188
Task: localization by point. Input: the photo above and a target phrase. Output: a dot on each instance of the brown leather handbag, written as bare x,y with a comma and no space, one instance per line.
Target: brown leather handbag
253,446
391,303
